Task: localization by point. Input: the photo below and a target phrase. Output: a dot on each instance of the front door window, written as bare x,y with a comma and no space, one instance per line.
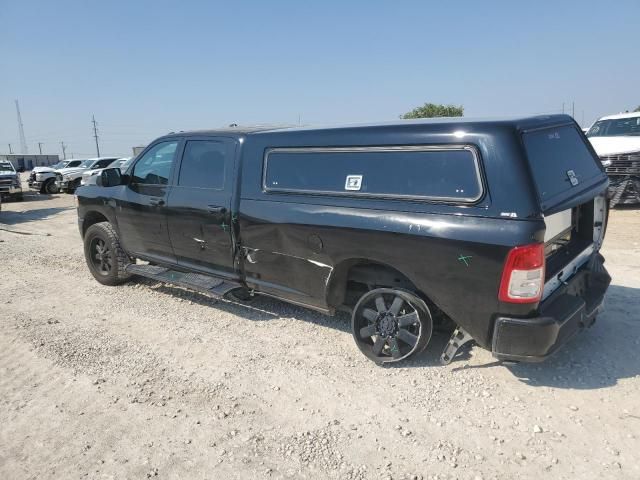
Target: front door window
154,168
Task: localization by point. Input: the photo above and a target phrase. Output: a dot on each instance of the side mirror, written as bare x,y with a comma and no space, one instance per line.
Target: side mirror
109,177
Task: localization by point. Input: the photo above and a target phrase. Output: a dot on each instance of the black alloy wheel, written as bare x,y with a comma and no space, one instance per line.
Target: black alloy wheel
101,256
390,325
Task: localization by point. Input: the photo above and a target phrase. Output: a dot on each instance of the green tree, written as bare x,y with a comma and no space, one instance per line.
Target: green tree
430,110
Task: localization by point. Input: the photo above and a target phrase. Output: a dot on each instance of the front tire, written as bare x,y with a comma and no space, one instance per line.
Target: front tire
390,325
50,187
105,257
74,185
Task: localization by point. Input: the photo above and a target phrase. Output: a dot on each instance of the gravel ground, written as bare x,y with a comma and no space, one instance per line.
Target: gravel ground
150,381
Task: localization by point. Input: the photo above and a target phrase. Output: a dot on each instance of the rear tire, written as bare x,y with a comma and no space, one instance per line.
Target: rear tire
105,257
390,325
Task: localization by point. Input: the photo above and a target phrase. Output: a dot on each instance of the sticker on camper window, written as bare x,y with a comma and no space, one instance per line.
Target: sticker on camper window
354,182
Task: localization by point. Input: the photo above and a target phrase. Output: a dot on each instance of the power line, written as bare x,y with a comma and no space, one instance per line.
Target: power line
95,133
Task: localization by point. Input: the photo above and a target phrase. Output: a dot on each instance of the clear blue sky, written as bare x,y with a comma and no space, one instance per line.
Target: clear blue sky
145,68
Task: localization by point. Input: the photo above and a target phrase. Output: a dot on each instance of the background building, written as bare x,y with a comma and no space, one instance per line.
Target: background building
138,149
27,162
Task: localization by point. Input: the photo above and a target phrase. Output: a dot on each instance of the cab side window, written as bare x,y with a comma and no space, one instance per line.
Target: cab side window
154,168
203,164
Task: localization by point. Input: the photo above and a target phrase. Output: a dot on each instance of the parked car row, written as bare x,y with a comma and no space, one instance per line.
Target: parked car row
68,175
89,176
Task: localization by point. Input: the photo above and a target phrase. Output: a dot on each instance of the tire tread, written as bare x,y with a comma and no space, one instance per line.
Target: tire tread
122,259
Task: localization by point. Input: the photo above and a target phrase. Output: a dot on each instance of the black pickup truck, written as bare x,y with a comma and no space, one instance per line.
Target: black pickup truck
494,226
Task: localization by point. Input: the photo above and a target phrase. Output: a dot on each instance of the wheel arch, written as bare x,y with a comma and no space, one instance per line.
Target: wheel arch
368,272
91,218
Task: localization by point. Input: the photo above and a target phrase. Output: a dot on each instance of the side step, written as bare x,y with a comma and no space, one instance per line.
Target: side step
205,284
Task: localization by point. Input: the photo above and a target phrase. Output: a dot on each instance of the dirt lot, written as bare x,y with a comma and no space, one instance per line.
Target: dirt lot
145,380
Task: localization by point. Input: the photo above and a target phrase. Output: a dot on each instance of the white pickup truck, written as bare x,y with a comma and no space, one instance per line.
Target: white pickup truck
69,178
10,185
616,140
43,179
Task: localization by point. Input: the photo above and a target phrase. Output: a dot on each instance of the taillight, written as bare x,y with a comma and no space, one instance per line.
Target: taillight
523,275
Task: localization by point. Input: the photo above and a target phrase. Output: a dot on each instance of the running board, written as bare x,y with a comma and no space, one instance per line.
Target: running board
205,284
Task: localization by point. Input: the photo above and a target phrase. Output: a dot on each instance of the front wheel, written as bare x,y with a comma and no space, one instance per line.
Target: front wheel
50,187
73,186
105,257
390,325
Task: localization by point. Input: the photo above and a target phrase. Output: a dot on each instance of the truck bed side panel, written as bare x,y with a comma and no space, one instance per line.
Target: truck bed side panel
294,250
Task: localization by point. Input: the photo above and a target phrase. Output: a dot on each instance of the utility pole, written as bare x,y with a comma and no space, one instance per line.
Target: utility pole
10,151
95,133
64,150
573,109
563,108
40,147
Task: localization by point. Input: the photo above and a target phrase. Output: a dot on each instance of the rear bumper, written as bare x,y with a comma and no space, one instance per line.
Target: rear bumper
569,310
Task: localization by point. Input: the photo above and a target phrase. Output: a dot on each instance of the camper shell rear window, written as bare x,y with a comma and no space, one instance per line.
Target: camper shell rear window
559,160
437,173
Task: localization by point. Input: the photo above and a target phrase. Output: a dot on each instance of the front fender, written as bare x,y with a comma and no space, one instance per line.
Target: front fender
93,208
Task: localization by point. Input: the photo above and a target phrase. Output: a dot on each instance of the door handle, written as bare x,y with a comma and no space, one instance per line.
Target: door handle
216,209
156,202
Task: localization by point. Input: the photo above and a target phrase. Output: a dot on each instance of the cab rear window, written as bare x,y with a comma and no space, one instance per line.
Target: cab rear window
429,173
560,160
